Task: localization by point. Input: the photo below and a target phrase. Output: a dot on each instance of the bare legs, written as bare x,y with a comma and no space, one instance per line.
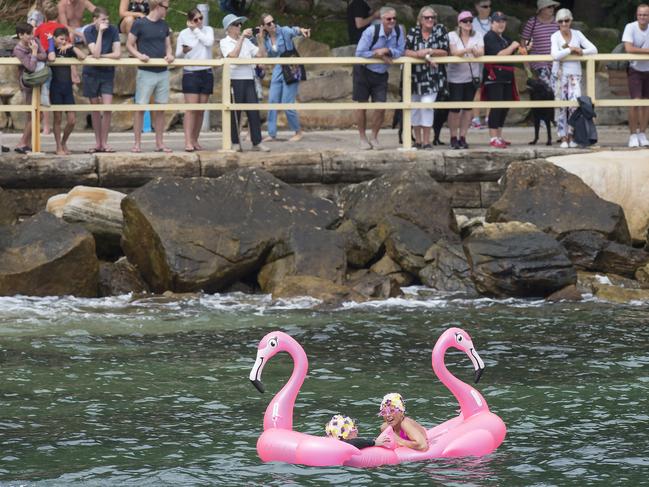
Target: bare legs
61,141
193,122
101,123
638,119
422,135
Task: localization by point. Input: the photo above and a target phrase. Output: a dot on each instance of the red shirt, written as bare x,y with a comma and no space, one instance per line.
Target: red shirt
44,29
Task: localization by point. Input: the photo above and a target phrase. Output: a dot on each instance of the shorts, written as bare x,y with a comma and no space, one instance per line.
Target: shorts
638,83
461,92
199,82
45,92
95,85
149,83
61,94
368,84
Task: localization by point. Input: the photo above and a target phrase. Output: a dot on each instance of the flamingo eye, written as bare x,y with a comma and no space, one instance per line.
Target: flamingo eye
273,342
459,338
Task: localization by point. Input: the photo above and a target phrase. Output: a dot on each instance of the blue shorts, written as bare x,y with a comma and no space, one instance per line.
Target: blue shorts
95,85
61,94
199,82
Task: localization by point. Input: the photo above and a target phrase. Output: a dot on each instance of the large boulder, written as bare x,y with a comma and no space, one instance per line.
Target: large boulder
44,256
373,286
616,176
447,269
8,210
557,202
516,259
200,233
98,210
409,210
590,251
315,287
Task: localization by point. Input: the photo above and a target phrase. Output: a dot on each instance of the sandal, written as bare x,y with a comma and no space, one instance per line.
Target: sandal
21,150
108,150
164,149
93,150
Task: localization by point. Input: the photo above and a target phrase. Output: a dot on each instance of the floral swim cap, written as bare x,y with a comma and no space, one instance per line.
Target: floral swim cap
340,427
392,402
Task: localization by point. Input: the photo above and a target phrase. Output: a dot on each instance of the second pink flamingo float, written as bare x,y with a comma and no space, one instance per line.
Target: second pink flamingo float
476,431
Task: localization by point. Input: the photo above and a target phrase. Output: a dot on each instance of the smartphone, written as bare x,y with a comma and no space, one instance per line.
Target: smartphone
255,31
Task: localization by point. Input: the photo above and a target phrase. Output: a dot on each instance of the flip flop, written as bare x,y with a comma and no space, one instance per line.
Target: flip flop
21,150
108,150
92,150
166,150
191,149
136,150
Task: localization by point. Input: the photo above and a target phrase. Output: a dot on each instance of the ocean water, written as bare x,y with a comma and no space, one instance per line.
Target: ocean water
155,391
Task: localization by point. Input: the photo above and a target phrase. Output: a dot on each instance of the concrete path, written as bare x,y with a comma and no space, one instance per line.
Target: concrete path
609,137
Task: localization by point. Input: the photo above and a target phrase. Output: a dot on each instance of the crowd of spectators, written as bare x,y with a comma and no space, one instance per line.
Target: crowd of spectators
378,36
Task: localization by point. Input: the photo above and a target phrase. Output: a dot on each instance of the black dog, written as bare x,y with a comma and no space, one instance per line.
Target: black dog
540,91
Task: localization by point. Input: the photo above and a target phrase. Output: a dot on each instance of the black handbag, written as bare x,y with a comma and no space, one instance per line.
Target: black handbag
292,73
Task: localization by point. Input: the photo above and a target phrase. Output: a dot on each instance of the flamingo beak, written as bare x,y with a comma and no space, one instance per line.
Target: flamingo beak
478,364
255,373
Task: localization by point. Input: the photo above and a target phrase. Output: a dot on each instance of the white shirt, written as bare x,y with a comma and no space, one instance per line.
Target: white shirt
200,41
481,26
558,51
248,51
639,38
462,73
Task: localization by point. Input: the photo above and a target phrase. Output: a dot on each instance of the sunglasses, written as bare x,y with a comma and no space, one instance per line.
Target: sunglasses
466,21
236,24
564,21
485,6
429,17
390,19
269,23
198,19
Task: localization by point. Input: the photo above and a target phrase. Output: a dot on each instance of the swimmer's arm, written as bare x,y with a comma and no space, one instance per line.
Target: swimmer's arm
418,441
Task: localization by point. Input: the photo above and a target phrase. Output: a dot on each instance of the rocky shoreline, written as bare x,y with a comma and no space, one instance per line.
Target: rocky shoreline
546,236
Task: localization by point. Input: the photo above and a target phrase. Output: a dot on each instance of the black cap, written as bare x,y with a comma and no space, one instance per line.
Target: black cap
498,16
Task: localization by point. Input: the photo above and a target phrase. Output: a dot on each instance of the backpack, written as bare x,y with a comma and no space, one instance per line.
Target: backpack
377,30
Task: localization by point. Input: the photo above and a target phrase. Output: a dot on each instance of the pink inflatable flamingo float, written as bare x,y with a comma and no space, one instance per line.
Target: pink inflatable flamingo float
475,432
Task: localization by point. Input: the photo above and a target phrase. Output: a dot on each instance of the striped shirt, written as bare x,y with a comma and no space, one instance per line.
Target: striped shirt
540,33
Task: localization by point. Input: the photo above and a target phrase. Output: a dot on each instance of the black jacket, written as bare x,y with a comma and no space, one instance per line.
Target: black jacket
585,132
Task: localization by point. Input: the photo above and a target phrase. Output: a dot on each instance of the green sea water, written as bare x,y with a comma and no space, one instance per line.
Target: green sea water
156,392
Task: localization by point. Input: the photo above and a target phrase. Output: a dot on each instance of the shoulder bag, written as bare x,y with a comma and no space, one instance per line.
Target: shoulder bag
292,73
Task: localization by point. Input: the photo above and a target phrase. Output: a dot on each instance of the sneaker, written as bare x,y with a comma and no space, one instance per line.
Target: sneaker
642,140
365,145
454,143
633,141
564,144
475,123
417,146
498,143
572,144
260,148
427,147
375,144
462,143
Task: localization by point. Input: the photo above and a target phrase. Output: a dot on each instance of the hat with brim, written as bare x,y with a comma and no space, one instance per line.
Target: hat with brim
541,4
498,17
464,15
230,19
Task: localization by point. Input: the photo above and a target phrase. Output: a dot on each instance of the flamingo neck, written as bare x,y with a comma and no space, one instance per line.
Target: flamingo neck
279,413
470,400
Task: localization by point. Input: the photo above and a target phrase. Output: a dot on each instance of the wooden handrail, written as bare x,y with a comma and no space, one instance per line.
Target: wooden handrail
226,106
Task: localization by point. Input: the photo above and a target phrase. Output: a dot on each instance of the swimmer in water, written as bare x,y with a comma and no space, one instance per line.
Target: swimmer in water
407,431
344,428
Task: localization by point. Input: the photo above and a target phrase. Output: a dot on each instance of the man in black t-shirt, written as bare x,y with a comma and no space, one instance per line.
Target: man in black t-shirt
359,16
149,38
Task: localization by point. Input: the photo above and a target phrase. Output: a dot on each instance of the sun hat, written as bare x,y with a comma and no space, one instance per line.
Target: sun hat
340,426
498,17
464,15
541,4
392,401
230,19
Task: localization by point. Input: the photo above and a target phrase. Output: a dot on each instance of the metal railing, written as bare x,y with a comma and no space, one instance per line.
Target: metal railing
226,106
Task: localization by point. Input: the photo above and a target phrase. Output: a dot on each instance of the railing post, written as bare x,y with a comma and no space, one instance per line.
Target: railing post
36,119
590,79
406,96
226,125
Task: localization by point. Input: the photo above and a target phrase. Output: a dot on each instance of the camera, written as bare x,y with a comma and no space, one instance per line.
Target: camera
255,31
